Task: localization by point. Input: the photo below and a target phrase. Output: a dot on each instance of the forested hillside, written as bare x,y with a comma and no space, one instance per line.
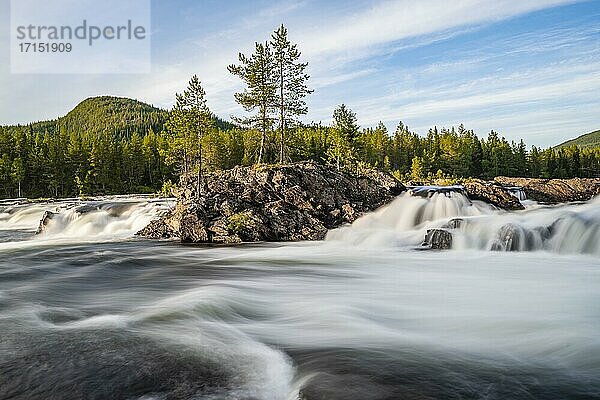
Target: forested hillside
128,149
591,139
96,148
105,145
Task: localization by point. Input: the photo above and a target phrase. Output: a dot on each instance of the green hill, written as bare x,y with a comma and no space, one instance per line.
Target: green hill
591,139
117,116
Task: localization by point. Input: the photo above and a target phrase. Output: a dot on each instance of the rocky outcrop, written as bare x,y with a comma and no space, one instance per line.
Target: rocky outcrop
46,217
554,191
492,193
272,203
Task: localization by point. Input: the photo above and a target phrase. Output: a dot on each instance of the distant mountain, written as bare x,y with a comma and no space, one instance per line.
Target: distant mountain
118,116
591,139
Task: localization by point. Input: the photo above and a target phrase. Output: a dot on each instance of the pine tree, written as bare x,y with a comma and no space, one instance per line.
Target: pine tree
257,72
344,120
339,151
190,120
18,173
292,85
417,169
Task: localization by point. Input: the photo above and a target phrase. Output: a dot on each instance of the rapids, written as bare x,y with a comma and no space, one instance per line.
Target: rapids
89,311
572,228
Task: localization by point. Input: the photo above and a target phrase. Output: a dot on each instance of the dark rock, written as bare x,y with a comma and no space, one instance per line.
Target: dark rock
553,191
428,191
454,223
509,239
272,203
157,230
492,193
48,215
439,239
512,237
86,208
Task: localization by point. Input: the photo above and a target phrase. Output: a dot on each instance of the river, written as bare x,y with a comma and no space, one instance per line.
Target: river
88,311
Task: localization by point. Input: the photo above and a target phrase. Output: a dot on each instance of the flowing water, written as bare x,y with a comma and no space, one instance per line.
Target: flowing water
87,311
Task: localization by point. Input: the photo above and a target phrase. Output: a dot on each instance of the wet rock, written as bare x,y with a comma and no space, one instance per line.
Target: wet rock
438,239
509,239
454,223
157,230
492,193
48,215
86,208
272,203
512,237
554,191
428,191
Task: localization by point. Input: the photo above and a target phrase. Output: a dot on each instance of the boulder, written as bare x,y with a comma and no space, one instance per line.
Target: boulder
553,191
438,239
46,217
293,202
492,193
512,237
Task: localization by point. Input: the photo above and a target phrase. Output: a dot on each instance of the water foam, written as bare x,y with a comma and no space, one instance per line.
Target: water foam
404,220
76,220
567,229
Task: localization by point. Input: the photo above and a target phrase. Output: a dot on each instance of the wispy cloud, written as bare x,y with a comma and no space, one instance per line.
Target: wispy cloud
390,21
388,60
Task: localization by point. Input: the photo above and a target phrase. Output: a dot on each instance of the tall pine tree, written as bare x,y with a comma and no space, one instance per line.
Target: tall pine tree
190,120
292,85
257,72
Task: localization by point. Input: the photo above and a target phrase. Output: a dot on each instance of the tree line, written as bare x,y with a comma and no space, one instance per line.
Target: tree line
109,145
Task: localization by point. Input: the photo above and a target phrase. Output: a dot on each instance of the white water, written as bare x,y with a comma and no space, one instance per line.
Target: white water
24,217
358,316
569,229
77,220
517,192
404,221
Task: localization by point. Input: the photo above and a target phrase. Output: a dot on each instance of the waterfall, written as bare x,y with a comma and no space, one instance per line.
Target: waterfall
517,192
404,219
572,229
461,224
112,217
22,217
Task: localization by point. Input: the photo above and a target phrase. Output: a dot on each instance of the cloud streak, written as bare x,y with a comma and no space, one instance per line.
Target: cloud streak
423,62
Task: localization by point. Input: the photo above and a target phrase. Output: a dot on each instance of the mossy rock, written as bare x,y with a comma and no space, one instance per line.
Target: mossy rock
238,222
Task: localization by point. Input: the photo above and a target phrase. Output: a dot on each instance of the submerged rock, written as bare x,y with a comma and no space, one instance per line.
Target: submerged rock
492,193
554,191
454,223
510,238
428,191
438,239
272,203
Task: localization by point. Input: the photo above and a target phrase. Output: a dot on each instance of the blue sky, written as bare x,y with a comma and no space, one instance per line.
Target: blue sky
528,68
